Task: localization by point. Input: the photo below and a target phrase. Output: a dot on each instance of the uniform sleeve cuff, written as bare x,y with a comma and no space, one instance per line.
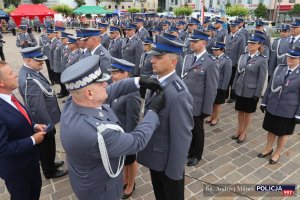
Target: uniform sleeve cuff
263,104
33,141
136,82
297,117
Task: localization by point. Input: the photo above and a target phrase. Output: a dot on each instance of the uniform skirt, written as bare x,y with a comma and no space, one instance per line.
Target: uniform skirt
221,96
130,159
245,104
279,126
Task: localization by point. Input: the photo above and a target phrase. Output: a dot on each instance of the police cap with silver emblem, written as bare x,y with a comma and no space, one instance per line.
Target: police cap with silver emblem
114,29
256,38
163,45
34,53
198,35
103,25
259,23
64,35
130,26
120,65
296,23
72,39
211,28
233,23
218,21
138,20
193,21
83,73
218,46
147,40
89,32
294,52
285,27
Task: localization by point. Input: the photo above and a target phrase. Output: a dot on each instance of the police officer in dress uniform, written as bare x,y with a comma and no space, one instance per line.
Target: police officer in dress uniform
248,84
141,33
91,134
25,39
54,42
166,153
225,67
40,101
295,33
93,44
182,33
220,32
127,109
145,64
279,48
200,73
75,52
242,30
192,25
12,26
156,31
210,30
115,45
235,47
282,105
132,48
259,26
82,44
44,42
105,39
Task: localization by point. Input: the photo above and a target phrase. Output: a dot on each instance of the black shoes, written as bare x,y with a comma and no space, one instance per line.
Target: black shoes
235,137
260,155
272,162
192,161
126,196
58,164
56,174
240,141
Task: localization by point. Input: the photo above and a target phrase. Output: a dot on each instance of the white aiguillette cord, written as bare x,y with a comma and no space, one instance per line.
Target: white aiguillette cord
103,151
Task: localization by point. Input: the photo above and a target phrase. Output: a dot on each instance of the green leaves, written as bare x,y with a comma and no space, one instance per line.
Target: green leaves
261,11
184,11
237,10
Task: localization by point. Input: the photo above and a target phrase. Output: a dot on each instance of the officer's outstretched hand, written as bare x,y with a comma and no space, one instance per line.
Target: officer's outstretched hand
150,83
157,102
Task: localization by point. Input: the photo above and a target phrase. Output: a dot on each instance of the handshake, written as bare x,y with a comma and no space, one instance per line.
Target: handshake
158,101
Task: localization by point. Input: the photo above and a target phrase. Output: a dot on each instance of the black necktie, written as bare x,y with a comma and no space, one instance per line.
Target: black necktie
249,57
194,60
127,40
292,42
287,74
231,37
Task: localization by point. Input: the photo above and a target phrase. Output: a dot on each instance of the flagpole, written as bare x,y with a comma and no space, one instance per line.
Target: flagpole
202,10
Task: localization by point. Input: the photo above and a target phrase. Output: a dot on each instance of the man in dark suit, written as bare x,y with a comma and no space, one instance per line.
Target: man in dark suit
19,154
41,102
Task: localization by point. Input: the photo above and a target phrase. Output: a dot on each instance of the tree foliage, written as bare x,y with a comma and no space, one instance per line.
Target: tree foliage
11,2
159,10
134,10
10,9
80,2
261,11
38,1
237,10
227,5
183,11
295,11
63,8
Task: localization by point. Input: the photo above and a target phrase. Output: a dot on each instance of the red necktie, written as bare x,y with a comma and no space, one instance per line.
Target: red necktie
20,108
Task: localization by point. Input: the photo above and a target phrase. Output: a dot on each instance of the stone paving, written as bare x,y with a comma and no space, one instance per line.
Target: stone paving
224,161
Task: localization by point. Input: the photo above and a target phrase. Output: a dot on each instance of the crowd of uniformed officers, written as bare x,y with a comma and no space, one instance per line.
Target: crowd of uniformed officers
182,72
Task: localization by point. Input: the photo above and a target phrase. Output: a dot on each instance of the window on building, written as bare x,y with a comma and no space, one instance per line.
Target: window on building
249,2
116,6
279,0
109,6
123,7
129,6
291,1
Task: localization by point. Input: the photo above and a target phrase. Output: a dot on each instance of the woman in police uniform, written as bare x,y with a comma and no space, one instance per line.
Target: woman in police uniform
248,83
282,104
127,109
225,68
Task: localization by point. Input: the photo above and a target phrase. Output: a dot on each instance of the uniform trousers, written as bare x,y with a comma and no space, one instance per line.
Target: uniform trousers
232,94
197,145
13,30
166,188
51,73
25,187
48,152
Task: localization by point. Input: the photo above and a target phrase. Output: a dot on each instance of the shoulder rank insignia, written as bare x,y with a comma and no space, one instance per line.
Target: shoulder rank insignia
178,86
